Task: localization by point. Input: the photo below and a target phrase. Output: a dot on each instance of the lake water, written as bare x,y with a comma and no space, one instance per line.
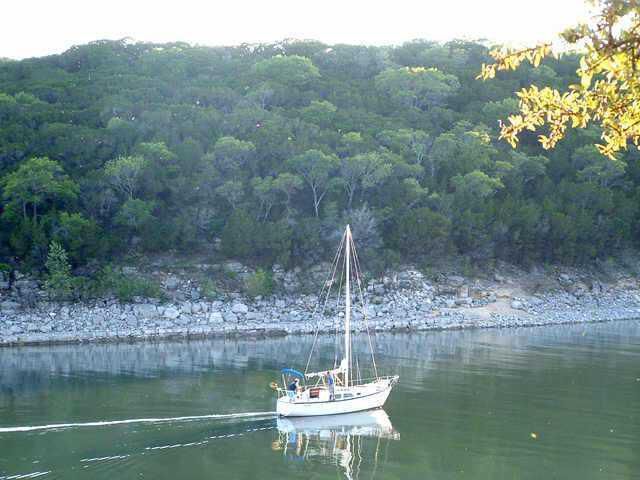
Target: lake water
541,403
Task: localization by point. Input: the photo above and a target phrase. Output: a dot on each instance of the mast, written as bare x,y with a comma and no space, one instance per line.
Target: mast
347,313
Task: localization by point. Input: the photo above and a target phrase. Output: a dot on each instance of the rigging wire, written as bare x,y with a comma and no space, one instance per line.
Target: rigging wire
327,286
358,273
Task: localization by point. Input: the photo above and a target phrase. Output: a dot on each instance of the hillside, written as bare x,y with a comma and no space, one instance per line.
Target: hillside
117,148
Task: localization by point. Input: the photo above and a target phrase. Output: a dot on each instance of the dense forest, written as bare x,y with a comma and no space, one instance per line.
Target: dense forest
266,151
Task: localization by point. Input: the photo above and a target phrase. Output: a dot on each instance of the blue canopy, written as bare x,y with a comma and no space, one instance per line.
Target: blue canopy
292,371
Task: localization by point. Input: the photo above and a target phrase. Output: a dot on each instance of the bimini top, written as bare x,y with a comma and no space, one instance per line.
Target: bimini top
293,372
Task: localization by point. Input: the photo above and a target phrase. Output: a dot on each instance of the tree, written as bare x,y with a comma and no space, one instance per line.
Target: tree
362,172
422,232
459,151
232,155
124,174
475,185
232,191
319,112
413,145
59,282
288,184
237,239
591,166
417,87
135,214
608,85
267,193
78,234
291,70
316,168
36,182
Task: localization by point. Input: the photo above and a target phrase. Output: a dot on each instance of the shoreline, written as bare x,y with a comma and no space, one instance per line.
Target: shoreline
283,331
405,301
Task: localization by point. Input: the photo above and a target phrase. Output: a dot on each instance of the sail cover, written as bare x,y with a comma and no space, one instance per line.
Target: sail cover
341,369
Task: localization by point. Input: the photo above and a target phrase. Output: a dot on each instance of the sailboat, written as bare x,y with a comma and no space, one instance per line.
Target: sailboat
339,389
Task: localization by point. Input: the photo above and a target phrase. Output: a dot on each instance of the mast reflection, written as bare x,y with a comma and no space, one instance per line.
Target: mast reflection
350,441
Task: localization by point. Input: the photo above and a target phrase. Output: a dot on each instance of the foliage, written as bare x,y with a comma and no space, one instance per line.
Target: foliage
271,149
36,182
112,281
608,85
59,282
209,290
260,283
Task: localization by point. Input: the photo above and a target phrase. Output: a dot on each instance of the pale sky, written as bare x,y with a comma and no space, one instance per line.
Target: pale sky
35,28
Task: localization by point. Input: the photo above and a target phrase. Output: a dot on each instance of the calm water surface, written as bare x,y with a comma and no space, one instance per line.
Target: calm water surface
543,403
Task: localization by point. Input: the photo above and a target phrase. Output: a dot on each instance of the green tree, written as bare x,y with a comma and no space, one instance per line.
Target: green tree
59,282
232,155
317,169
422,232
291,71
417,87
287,184
362,172
124,173
35,183
78,235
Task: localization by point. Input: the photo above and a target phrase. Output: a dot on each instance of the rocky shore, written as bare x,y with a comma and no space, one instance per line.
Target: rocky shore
407,300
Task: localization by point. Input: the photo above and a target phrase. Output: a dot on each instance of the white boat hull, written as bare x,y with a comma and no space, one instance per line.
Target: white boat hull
365,397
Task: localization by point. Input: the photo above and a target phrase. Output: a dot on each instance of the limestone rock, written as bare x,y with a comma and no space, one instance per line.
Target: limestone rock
517,305
9,306
145,310
172,283
171,313
239,308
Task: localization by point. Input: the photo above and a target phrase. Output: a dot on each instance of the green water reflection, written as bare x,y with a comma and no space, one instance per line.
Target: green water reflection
466,407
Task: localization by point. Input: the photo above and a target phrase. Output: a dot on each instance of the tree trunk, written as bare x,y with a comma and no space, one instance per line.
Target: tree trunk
316,202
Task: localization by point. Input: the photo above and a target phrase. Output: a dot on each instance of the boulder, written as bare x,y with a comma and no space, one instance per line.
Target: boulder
9,306
172,283
455,281
235,267
463,301
171,313
239,308
186,308
145,310
230,317
215,317
517,305
463,291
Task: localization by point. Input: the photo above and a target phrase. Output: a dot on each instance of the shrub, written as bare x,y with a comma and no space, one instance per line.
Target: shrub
59,282
208,290
259,284
125,287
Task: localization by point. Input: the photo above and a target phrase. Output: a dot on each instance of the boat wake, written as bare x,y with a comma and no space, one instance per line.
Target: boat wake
55,426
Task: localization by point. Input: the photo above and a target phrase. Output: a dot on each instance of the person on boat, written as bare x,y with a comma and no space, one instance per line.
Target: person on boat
293,387
331,383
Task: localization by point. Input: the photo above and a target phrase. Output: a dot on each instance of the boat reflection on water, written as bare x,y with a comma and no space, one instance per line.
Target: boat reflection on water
351,441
